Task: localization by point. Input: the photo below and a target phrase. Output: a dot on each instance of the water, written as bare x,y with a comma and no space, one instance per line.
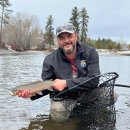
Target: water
24,114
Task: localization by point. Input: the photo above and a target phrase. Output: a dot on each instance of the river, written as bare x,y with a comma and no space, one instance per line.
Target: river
24,114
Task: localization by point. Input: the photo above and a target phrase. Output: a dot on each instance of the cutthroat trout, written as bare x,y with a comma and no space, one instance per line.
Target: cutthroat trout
34,87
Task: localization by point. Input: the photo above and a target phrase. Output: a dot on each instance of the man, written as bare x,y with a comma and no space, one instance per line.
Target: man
71,64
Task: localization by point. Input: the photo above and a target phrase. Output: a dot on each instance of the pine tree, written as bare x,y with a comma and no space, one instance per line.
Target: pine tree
75,18
49,34
129,46
5,12
84,25
118,46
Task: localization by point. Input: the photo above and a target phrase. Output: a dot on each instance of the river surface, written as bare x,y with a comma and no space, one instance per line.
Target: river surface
24,114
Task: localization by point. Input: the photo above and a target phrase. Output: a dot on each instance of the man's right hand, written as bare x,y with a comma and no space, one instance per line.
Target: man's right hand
25,94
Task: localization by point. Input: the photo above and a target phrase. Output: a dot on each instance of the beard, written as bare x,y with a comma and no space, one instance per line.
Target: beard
70,50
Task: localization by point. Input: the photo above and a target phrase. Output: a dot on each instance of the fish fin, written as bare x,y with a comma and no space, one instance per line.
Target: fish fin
40,93
50,88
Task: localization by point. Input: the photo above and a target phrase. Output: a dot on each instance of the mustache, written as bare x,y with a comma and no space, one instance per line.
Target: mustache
67,43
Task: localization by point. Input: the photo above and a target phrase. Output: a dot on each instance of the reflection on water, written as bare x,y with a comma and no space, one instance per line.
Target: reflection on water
43,122
17,113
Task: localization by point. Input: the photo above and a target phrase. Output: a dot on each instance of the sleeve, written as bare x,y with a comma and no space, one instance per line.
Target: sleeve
45,92
92,70
47,70
47,73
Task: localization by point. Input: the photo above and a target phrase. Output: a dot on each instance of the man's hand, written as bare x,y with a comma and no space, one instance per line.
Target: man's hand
25,94
59,84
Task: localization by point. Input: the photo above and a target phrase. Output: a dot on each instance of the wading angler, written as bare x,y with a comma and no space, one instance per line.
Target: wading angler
71,64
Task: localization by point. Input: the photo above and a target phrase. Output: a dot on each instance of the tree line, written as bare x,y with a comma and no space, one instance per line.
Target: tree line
22,31
107,44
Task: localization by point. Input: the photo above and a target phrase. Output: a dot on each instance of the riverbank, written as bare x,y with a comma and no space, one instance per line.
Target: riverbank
4,50
127,53
109,52
100,51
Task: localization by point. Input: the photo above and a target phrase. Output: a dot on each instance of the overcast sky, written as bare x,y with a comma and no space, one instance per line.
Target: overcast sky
108,18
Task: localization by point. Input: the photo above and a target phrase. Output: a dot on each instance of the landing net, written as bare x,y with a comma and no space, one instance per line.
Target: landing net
92,101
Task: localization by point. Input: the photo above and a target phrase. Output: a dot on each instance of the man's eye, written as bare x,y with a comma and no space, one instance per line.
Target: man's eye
70,36
60,38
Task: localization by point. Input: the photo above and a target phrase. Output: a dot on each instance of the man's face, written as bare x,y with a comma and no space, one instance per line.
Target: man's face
67,41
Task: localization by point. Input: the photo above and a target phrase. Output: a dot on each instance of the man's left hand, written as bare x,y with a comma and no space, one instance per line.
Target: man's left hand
59,84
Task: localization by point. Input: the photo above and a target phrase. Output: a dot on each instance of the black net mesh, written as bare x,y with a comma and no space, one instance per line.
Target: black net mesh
92,101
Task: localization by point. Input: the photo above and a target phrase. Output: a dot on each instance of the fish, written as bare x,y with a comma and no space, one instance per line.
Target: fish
34,87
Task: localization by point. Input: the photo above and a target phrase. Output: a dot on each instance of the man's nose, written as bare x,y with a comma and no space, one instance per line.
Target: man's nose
66,39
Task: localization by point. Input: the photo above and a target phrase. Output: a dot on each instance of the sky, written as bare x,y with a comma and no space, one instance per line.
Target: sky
108,18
